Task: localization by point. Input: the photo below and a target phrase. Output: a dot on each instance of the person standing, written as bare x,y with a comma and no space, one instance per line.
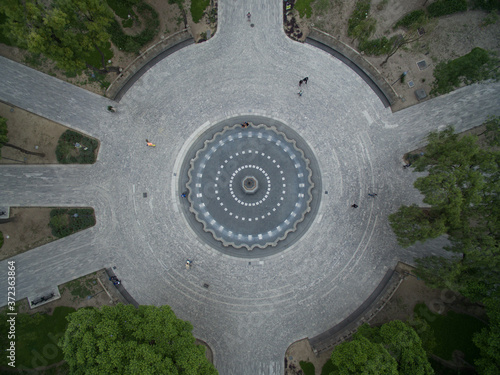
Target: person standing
248,16
305,80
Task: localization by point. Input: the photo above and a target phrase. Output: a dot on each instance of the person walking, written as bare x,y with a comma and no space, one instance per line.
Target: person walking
301,82
300,92
150,144
373,195
248,16
354,205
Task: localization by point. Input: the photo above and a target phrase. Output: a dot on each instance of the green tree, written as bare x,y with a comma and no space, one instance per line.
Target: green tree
405,345
361,356
66,31
412,224
126,340
393,348
488,341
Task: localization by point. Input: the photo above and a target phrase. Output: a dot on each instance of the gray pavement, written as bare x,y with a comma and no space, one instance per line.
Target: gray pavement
253,309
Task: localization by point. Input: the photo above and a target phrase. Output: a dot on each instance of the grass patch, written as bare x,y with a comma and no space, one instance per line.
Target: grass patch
304,7
198,9
68,152
307,367
415,18
328,368
478,65
65,221
80,289
444,7
36,338
452,332
133,43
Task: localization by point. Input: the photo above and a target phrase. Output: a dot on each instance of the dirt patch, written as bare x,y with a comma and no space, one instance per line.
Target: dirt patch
400,307
444,39
32,133
29,229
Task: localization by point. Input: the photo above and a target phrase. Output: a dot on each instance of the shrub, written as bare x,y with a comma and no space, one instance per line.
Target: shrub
307,367
64,222
486,4
477,65
122,8
198,9
377,47
67,153
444,7
359,15
415,18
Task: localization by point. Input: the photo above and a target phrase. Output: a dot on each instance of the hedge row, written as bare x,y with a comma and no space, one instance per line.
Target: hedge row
63,221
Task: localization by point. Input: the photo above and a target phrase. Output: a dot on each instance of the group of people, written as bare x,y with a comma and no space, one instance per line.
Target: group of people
302,81
115,280
245,125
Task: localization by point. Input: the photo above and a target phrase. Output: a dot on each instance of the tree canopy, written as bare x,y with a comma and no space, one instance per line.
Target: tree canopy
126,340
462,190
66,31
393,348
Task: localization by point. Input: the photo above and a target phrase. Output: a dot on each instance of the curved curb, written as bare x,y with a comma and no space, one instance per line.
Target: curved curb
356,62
364,313
145,61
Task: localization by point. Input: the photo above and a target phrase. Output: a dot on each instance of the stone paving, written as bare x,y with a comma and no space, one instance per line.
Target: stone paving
252,309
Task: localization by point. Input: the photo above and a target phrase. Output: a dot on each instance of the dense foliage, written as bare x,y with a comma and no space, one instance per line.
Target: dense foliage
462,189
444,7
126,340
411,19
394,348
66,31
133,43
476,66
65,221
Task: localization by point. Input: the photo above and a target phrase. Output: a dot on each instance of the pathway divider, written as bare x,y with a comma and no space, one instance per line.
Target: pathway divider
356,62
146,60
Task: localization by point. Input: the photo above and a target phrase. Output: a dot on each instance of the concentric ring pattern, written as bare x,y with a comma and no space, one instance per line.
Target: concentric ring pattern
250,186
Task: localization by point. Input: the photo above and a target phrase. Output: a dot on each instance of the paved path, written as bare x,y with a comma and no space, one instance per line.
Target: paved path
252,311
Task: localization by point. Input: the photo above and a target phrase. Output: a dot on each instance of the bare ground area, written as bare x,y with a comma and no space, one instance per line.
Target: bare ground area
171,21
32,133
28,229
445,38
